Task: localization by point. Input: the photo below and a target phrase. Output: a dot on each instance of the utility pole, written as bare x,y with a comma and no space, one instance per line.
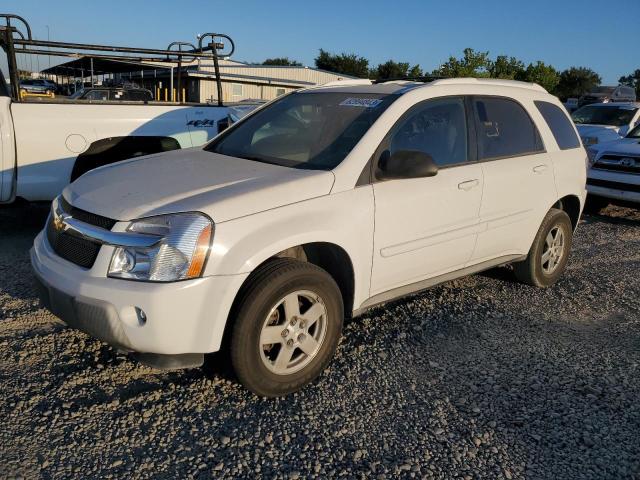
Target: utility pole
48,40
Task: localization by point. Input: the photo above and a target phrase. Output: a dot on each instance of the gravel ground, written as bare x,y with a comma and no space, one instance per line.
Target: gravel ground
479,378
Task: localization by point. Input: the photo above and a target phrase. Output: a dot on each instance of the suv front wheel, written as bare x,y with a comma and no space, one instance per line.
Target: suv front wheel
287,327
549,253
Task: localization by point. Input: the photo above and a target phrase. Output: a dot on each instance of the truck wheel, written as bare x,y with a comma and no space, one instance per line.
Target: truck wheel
287,327
549,253
595,204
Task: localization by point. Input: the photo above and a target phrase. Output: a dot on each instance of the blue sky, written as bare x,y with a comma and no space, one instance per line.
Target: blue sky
563,33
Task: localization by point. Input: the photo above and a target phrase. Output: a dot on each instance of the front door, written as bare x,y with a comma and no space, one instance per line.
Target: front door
425,227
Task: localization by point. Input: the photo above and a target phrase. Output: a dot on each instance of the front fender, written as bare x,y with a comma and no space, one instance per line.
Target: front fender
344,219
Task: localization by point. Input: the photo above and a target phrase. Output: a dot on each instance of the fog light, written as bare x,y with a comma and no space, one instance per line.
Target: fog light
123,260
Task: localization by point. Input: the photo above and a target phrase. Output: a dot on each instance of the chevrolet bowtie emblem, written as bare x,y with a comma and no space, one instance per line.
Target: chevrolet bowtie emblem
58,222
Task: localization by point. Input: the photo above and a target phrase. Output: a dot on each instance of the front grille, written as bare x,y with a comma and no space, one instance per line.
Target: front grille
618,163
627,187
74,249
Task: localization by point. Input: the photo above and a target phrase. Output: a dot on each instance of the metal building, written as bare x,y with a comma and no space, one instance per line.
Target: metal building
240,81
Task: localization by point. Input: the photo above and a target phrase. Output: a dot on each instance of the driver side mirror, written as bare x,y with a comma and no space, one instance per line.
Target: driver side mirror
406,164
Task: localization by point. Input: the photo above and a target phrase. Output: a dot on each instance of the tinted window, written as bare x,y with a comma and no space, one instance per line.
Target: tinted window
117,95
504,129
438,128
560,125
304,130
139,95
97,95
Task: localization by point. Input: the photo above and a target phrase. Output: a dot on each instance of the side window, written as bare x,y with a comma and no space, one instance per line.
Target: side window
117,95
504,129
139,95
97,95
438,127
559,124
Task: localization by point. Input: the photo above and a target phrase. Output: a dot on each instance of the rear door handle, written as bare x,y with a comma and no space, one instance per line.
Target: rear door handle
540,168
468,185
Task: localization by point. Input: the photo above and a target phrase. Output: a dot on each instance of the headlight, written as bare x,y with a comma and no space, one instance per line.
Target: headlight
591,156
181,252
586,141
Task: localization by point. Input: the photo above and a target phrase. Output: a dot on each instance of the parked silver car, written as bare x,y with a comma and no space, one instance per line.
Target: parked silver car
604,94
37,85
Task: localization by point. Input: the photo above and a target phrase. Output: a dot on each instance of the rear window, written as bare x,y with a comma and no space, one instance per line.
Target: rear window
504,129
559,124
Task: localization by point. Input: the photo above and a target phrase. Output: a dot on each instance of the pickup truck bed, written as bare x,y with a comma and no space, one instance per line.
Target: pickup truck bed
46,144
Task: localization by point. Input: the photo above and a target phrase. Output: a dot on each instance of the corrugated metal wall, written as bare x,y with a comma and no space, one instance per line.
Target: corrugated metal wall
209,92
259,87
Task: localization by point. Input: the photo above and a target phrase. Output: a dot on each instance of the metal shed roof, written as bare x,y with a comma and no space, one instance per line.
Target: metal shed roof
100,66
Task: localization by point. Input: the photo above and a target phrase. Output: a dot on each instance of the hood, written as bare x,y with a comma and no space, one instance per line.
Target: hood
193,180
624,146
604,133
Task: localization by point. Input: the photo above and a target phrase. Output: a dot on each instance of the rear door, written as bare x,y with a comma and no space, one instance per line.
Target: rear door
425,227
519,186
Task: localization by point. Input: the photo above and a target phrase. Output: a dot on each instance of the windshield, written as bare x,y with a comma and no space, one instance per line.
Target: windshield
77,94
616,116
311,130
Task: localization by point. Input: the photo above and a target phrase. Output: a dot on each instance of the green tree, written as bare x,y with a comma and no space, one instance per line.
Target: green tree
391,69
544,75
345,63
632,80
472,64
506,67
282,62
576,81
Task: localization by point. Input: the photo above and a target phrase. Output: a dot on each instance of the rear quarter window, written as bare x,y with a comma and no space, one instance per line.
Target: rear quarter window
559,124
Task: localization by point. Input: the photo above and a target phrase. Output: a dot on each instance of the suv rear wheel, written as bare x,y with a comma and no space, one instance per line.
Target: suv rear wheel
287,327
549,253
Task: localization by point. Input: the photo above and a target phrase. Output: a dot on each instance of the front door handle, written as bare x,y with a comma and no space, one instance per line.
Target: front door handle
468,185
540,168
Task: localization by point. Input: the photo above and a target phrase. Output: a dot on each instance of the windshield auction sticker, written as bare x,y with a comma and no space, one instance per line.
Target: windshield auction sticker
361,102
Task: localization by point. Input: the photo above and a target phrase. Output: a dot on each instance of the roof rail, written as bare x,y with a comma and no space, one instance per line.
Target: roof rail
489,81
346,82
422,78
439,80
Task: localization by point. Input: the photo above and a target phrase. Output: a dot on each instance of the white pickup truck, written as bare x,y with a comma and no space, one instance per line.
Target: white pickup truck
321,204
46,144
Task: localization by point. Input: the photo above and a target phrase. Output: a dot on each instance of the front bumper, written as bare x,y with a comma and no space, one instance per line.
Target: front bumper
614,185
180,317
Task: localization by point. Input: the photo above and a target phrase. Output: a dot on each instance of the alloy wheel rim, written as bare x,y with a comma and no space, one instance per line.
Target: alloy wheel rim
293,332
553,251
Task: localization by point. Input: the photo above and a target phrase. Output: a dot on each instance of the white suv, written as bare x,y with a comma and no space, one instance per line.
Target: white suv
317,206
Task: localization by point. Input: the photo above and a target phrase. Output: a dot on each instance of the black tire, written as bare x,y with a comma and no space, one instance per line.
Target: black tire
530,270
266,287
595,204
